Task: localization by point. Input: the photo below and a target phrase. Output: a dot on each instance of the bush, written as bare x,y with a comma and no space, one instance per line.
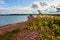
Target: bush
49,25
57,32
15,30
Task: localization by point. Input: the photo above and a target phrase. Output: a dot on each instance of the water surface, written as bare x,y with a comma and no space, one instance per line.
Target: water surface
4,20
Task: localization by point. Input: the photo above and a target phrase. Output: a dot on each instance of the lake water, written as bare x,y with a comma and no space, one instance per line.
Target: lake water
4,20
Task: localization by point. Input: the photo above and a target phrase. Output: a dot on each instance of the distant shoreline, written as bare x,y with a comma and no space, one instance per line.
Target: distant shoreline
15,14
24,14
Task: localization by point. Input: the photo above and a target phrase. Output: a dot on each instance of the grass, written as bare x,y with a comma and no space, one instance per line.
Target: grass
15,30
8,35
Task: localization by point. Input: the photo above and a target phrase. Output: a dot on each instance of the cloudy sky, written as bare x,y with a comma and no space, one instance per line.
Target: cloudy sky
29,6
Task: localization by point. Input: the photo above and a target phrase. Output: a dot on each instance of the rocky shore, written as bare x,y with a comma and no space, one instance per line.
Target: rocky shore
24,34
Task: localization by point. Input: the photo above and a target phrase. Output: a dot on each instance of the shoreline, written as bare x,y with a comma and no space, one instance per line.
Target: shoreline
10,27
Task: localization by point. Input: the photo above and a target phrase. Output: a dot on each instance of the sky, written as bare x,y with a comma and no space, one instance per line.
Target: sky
21,3
18,3
25,4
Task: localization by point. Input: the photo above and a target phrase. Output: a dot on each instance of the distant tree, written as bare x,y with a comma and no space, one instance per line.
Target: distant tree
58,9
39,11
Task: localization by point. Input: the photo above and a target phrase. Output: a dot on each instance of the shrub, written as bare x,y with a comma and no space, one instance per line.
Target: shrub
7,36
15,30
49,25
57,32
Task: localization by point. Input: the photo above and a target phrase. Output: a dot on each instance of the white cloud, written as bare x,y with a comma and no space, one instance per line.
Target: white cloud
16,11
46,5
54,2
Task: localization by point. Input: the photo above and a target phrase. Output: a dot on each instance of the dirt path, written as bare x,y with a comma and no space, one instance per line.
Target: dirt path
24,34
8,28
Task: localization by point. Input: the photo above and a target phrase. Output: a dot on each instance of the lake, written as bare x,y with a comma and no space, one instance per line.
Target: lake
4,20
11,19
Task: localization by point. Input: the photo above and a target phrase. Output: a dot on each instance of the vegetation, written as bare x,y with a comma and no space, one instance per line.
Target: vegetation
47,26
58,8
8,35
15,30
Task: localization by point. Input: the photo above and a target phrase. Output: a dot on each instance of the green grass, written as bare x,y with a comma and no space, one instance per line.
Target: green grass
15,30
8,35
